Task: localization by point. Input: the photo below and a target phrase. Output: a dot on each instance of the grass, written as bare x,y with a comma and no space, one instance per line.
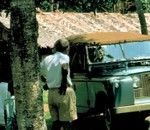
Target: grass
46,112
48,120
45,97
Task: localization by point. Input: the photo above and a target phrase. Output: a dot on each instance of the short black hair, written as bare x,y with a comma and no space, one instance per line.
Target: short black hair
61,44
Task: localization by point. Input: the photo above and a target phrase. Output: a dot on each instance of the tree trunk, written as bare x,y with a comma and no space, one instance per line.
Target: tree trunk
51,5
141,17
25,65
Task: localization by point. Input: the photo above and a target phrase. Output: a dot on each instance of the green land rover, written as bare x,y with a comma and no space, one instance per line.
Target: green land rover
111,73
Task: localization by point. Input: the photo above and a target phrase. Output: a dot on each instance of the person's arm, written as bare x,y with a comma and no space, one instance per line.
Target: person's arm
10,87
43,79
43,73
43,70
63,87
69,79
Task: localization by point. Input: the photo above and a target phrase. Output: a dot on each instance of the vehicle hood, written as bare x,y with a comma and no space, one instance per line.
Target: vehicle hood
125,71
128,71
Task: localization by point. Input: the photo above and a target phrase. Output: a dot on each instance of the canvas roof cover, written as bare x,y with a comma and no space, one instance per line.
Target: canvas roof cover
107,38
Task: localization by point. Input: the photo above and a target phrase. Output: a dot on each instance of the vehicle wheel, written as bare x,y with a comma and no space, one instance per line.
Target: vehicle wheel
101,106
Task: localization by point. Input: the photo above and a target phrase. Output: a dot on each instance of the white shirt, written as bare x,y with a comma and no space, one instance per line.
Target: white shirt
51,69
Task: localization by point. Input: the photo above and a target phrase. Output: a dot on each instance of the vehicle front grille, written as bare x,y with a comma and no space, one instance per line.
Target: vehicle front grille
144,87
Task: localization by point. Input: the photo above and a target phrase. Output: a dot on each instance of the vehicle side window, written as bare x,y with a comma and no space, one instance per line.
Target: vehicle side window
77,59
91,54
95,53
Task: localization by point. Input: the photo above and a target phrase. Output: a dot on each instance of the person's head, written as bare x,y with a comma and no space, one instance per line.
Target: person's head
62,45
99,53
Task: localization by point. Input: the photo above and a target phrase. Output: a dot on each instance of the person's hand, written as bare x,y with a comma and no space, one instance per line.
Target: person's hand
43,79
45,87
62,89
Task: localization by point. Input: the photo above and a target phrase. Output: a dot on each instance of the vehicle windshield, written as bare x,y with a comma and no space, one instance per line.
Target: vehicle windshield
119,52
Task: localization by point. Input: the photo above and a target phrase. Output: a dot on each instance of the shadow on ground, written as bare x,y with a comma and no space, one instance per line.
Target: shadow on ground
132,121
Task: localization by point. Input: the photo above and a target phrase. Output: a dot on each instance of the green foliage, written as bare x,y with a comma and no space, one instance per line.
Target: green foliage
47,115
45,97
48,120
146,6
45,5
37,2
76,5
4,4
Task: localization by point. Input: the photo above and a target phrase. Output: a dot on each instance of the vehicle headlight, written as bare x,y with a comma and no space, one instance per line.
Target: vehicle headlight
115,82
136,81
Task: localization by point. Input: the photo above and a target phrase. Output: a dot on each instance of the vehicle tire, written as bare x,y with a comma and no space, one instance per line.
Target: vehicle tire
102,106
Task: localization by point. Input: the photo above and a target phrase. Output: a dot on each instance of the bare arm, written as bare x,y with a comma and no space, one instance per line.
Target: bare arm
63,87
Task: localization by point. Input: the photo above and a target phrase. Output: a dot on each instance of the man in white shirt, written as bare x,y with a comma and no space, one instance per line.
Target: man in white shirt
56,73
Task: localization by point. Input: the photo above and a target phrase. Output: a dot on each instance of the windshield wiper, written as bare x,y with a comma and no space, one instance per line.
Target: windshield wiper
139,63
124,56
